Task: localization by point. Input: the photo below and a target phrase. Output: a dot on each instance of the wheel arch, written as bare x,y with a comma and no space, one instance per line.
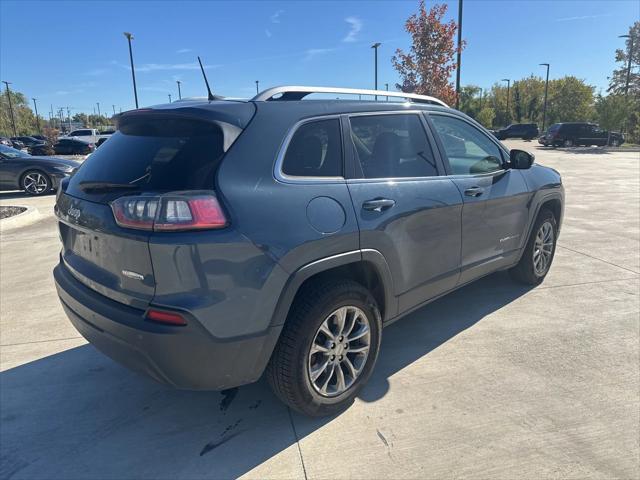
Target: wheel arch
367,267
24,171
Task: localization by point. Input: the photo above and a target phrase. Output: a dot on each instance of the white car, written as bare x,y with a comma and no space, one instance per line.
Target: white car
89,135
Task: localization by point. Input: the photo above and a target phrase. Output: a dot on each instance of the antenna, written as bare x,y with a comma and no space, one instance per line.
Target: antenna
210,95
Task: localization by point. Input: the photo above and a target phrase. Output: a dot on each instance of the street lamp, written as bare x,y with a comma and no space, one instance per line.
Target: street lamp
114,110
98,104
13,122
546,89
133,72
375,69
169,97
257,86
35,106
508,80
459,54
626,86
386,87
179,92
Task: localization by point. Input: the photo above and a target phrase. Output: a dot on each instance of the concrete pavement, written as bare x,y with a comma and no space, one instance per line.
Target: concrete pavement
495,380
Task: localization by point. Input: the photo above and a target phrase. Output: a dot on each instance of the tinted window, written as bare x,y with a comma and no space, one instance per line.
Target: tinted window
167,154
391,146
315,150
468,150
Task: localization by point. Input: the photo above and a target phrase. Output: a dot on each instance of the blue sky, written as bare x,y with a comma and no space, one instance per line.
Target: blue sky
74,53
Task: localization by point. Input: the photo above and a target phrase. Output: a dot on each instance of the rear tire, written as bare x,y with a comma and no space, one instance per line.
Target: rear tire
305,371
568,143
539,252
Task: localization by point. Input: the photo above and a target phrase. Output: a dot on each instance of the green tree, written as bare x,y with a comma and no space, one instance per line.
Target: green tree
486,116
528,99
470,100
618,79
612,111
24,118
570,100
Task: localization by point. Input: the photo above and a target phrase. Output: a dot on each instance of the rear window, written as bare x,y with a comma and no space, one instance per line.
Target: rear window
159,154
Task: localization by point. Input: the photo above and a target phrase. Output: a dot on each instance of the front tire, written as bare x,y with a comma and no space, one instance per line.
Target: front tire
539,252
327,349
35,182
567,143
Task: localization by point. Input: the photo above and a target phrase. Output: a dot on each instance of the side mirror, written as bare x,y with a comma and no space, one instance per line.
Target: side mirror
521,160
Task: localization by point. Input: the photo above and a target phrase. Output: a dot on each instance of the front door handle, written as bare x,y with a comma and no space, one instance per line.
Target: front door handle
474,191
378,204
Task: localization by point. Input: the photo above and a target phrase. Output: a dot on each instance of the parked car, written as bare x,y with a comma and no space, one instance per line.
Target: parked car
42,149
34,175
41,137
28,141
17,144
526,131
5,141
88,135
70,146
208,242
104,136
575,134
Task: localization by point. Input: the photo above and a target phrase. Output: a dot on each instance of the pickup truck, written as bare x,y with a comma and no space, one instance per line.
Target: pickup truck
89,135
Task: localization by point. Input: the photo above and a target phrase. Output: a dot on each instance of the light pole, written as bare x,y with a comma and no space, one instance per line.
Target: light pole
169,98
626,86
375,68
386,87
546,89
13,122
459,53
133,72
257,86
508,80
179,92
99,114
69,117
35,106
114,110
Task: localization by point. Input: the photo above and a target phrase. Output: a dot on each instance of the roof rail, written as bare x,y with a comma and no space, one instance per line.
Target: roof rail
297,92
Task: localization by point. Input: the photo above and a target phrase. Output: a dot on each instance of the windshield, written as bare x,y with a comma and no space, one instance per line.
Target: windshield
9,152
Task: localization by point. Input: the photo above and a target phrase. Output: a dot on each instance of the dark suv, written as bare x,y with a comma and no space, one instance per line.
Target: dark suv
526,131
210,241
576,134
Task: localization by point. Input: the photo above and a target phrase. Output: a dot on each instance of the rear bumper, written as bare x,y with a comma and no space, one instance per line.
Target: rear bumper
184,357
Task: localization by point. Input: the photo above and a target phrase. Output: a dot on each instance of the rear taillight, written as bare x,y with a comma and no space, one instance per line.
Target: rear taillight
170,318
169,213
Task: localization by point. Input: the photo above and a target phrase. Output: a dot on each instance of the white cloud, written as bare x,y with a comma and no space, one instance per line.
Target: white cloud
184,50
355,25
313,52
268,33
155,67
275,18
581,17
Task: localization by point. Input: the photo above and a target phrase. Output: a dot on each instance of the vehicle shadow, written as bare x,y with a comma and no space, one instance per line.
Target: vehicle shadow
578,150
76,414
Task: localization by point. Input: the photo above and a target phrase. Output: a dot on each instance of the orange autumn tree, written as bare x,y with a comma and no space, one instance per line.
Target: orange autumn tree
427,67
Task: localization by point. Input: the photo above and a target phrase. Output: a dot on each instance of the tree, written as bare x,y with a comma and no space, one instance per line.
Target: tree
24,118
427,67
618,79
612,111
528,99
485,117
570,100
470,100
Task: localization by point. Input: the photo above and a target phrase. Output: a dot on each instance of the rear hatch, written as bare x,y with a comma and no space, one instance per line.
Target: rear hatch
154,152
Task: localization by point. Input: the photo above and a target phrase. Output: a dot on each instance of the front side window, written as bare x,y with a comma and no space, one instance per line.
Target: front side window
391,146
315,150
468,150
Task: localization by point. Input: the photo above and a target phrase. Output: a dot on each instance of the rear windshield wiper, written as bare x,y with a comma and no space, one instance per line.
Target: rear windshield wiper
91,186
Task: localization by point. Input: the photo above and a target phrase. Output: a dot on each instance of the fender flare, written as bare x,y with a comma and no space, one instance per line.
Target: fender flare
544,199
297,278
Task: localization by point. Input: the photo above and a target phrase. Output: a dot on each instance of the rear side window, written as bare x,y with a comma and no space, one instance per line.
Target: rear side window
391,146
315,150
157,154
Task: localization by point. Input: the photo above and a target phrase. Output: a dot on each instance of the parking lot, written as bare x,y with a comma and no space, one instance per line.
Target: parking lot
495,380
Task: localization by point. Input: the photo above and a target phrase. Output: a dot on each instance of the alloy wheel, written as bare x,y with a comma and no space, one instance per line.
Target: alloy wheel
543,249
339,351
35,183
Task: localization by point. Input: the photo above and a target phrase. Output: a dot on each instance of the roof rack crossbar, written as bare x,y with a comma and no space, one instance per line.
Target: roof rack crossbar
296,92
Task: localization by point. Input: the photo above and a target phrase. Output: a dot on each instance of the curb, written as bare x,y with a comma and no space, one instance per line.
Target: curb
29,216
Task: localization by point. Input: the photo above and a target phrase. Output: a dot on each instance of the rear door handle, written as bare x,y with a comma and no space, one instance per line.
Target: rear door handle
378,204
474,191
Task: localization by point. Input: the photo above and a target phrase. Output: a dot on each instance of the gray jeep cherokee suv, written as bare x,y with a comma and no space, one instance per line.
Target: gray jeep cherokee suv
209,242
